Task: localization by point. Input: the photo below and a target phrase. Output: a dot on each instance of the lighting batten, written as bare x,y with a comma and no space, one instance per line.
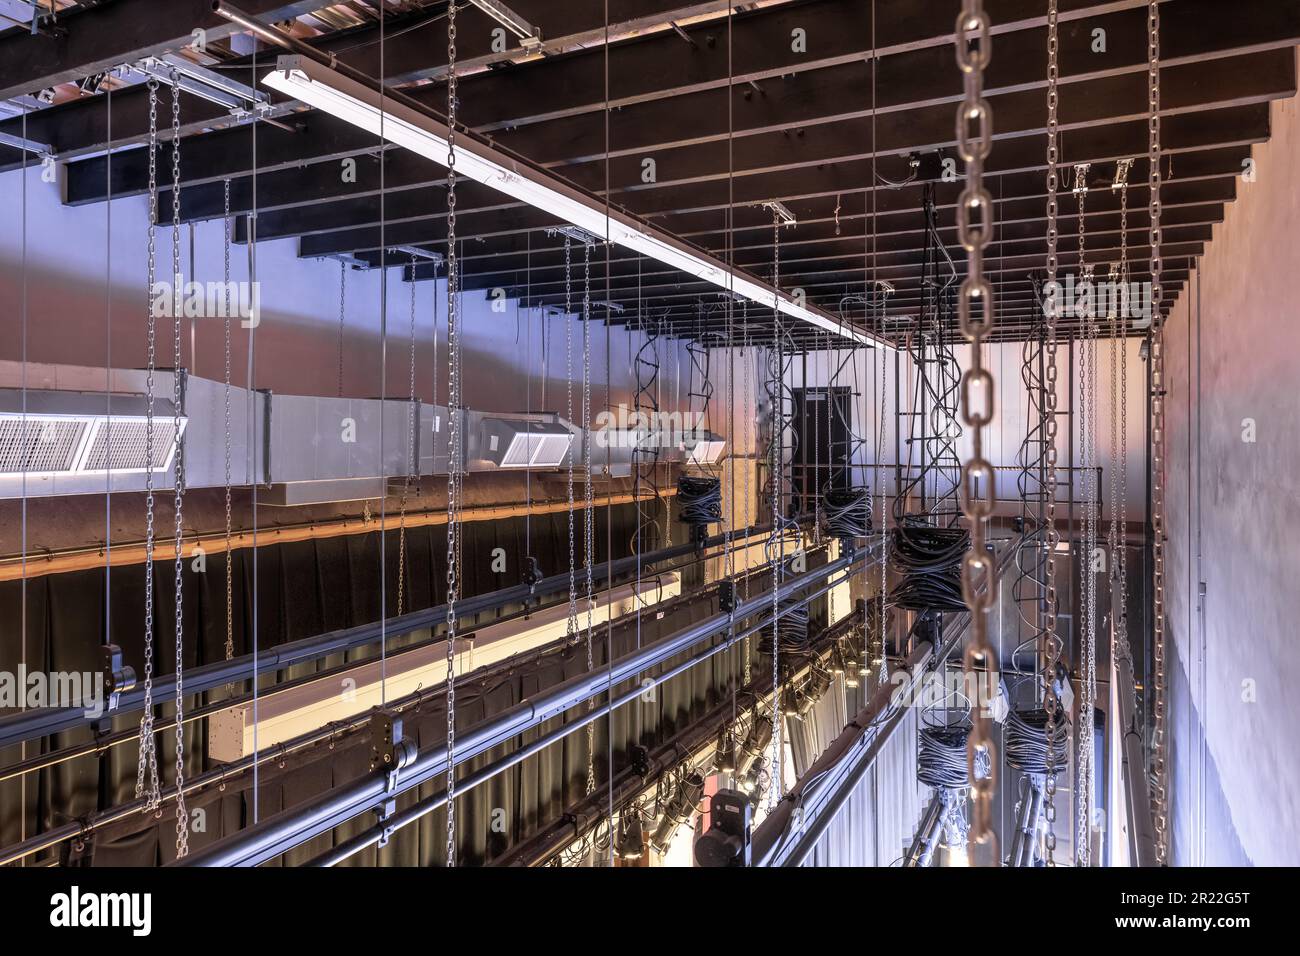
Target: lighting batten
388,117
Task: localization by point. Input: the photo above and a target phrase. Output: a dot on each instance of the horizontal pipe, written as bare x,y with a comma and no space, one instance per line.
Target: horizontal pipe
290,828
41,722
430,804
545,844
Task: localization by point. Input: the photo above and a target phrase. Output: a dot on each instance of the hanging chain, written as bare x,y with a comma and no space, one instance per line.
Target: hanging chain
1087,581
1052,646
148,756
588,501
571,627
178,411
411,464
343,289
1123,650
453,424
777,465
225,251
1160,795
975,313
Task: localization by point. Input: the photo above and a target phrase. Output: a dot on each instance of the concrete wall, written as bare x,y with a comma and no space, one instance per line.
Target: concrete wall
1233,511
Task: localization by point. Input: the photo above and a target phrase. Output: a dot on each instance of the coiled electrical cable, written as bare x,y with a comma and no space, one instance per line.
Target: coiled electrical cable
792,631
1024,740
847,513
930,561
941,759
699,499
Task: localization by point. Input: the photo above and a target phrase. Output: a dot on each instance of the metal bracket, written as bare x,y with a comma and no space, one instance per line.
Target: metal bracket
118,677
529,36
781,211
1081,177
726,596
415,252
574,233
389,754
1121,173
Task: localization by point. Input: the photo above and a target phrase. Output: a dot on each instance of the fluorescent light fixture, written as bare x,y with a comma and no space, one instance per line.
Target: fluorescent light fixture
392,119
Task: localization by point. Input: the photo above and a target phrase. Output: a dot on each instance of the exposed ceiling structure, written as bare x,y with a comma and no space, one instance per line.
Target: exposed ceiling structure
758,320
730,119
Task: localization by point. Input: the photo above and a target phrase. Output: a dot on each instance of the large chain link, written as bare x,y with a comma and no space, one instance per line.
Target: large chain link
588,500
454,437
148,755
225,272
1160,794
1051,650
975,314
178,411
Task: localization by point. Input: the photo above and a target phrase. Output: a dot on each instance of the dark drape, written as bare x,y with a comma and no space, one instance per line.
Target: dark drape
59,622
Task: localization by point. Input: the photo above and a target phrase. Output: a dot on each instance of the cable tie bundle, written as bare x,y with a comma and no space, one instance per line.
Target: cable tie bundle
941,762
847,513
1025,741
699,499
930,561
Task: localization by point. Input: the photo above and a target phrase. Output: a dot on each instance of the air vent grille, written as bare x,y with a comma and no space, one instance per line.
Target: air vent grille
39,445
121,445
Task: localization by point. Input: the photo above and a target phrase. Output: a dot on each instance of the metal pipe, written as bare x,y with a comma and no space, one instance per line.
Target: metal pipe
284,831
1137,799
429,804
1031,808
921,852
37,723
829,782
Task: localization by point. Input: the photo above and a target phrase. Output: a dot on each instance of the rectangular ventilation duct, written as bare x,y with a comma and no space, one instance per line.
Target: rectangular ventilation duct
524,443
47,433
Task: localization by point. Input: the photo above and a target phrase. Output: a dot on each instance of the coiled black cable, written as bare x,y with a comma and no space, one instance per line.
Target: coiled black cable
699,499
1025,741
929,559
847,513
791,630
941,760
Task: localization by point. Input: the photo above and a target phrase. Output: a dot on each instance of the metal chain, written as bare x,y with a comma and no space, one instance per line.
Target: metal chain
454,437
178,410
412,466
1052,646
588,500
1087,581
975,315
1121,494
343,288
777,558
225,251
1160,794
571,627
148,755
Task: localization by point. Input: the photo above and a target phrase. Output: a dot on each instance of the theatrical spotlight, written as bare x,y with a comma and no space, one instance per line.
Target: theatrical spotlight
629,841
725,751
756,743
678,810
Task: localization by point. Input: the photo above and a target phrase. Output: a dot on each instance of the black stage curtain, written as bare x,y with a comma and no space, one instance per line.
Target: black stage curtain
59,622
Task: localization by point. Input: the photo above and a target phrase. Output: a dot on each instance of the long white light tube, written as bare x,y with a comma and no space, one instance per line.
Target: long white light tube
317,85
